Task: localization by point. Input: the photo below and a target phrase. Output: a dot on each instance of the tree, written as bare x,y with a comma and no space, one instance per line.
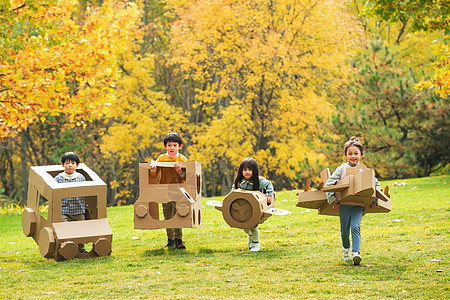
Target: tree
404,130
426,15
268,65
51,65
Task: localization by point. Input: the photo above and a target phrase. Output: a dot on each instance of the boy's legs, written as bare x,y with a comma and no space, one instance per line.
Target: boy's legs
174,235
169,212
72,218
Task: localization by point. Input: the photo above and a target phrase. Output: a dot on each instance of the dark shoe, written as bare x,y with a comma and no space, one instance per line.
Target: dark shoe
170,243
179,244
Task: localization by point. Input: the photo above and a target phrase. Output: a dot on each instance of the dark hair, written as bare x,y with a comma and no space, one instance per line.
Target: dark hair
70,156
173,137
248,163
353,141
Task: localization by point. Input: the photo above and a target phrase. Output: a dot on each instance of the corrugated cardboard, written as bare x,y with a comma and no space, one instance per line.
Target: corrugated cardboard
245,209
356,188
59,240
186,194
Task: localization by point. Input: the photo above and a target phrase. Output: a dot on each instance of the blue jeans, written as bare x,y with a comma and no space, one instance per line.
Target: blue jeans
351,220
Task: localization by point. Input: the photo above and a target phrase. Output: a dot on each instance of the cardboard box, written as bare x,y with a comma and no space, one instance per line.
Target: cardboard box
187,196
60,240
356,188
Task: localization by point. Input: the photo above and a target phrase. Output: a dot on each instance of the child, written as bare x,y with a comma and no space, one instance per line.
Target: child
248,178
73,208
172,143
350,214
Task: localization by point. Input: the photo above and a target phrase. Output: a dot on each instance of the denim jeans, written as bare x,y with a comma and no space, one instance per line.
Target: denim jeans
350,217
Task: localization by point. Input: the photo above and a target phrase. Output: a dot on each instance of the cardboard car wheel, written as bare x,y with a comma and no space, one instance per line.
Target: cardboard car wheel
182,209
28,222
102,246
68,250
46,242
141,211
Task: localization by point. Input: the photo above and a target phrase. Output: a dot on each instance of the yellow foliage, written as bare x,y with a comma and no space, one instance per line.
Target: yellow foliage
262,72
68,69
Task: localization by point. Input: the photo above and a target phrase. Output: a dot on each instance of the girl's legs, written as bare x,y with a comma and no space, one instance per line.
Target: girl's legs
350,217
345,216
253,239
355,225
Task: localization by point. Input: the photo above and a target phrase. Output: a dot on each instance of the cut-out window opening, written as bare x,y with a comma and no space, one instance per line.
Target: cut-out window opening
156,210
81,171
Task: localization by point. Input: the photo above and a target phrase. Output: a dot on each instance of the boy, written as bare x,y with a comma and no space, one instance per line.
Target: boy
172,143
73,208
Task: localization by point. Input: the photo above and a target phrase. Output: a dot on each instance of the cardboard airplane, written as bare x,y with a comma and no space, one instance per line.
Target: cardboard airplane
187,194
59,240
356,188
246,209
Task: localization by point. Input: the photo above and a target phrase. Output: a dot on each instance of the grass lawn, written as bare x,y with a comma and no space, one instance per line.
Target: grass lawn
405,255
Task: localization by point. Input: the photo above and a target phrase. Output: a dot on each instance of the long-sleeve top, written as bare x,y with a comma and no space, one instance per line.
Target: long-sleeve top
265,186
168,175
339,174
71,205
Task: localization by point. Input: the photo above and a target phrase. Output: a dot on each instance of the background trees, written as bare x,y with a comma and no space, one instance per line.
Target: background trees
286,82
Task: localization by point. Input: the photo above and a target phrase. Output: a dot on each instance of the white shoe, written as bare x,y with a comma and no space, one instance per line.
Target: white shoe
346,255
255,247
356,258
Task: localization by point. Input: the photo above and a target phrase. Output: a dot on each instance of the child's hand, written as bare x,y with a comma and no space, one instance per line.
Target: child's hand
373,205
177,168
152,167
335,206
269,200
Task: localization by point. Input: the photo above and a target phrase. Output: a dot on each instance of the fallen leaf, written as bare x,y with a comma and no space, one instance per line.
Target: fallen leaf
267,230
417,242
397,220
434,259
135,238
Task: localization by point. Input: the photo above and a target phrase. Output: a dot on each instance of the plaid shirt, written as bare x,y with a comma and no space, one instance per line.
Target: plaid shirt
72,205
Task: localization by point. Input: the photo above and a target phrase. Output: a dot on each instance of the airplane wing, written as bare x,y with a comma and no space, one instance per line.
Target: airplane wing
214,203
278,211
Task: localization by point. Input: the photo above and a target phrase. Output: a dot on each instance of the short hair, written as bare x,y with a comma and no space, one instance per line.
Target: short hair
173,137
353,141
70,156
248,163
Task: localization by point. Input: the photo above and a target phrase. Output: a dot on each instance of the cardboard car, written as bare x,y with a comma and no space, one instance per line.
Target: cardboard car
59,240
186,193
356,188
246,209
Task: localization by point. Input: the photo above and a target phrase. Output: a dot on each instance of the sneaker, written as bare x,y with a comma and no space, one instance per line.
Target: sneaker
170,243
346,255
179,244
255,247
356,258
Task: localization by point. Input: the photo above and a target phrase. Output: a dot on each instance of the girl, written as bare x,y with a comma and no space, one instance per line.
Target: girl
248,178
350,215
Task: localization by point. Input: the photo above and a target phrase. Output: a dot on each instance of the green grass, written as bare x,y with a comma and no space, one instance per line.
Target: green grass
300,258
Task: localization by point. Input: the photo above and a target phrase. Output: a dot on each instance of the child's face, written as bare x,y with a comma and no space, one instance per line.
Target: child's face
247,173
353,155
172,149
69,166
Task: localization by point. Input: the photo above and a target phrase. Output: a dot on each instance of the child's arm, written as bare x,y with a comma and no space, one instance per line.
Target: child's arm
267,186
335,177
